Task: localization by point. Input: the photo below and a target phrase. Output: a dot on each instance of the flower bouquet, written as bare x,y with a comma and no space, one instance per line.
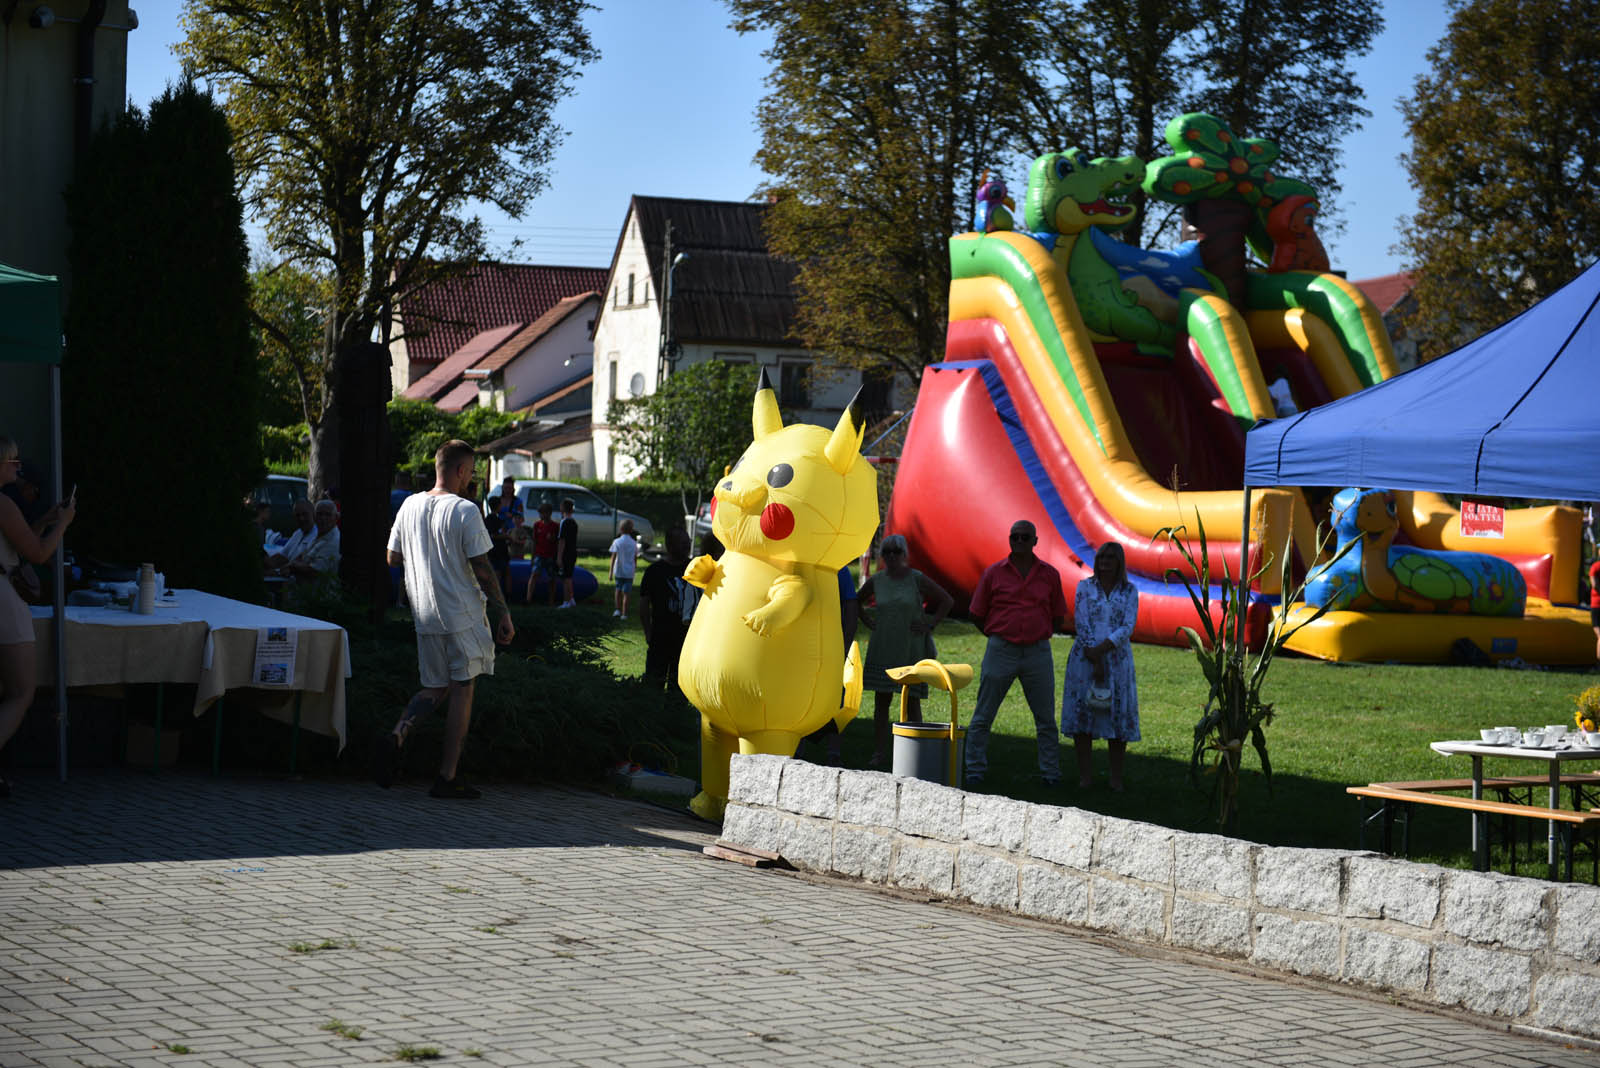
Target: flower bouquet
1587,715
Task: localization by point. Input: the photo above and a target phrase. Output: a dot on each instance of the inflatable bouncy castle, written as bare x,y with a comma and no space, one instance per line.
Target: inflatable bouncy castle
1102,391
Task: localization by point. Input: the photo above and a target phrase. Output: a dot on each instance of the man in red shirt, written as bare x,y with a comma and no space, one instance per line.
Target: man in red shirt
1018,604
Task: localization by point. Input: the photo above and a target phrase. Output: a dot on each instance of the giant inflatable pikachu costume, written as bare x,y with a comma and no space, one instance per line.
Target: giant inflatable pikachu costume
764,658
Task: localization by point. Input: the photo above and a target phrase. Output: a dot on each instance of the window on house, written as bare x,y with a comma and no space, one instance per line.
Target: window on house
630,289
735,357
613,390
616,296
570,470
794,385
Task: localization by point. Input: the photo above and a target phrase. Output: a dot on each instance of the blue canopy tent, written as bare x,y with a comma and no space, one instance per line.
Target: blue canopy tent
1513,413
30,332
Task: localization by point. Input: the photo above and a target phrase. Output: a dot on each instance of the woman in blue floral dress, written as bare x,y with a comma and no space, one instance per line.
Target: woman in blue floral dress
1103,614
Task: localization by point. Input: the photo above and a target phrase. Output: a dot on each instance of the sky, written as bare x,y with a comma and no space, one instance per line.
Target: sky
669,110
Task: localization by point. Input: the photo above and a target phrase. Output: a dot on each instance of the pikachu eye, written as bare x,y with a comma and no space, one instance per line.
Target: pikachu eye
780,475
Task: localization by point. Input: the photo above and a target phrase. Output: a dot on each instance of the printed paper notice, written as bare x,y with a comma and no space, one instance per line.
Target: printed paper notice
1482,520
275,648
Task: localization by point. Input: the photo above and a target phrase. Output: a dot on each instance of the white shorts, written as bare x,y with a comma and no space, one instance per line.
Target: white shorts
459,657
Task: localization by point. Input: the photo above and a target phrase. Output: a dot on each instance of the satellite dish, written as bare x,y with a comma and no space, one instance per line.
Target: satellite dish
636,384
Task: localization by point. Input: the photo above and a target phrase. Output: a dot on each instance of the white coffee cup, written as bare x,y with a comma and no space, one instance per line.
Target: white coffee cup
1509,735
1491,735
1533,737
1554,732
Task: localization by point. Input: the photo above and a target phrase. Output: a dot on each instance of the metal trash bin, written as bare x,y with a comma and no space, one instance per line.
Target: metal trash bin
922,751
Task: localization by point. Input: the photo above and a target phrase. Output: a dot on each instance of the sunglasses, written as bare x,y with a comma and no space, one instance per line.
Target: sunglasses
1023,537
891,552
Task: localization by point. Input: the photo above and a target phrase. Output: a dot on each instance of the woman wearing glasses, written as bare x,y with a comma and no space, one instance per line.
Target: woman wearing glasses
19,543
895,604
1100,698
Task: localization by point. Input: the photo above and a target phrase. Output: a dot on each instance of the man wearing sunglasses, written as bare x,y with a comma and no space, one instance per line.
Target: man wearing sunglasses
1018,604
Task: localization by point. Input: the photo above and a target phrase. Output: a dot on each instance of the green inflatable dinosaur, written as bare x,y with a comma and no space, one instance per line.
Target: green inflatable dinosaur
1067,194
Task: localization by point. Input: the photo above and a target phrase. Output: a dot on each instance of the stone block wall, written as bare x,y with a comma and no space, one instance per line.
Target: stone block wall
1516,949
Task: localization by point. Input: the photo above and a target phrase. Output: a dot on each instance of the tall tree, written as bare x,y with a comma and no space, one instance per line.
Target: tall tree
1272,69
880,119
159,400
289,306
366,129
1505,157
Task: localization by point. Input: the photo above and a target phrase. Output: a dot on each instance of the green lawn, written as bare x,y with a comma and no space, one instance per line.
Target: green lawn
1336,725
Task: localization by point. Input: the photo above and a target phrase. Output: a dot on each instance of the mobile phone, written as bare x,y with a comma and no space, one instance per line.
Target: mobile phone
73,496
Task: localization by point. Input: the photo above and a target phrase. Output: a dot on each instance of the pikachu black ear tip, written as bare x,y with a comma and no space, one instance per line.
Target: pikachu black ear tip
763,382
856,409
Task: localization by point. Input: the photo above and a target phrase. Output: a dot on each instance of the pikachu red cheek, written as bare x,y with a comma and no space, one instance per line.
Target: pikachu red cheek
777,522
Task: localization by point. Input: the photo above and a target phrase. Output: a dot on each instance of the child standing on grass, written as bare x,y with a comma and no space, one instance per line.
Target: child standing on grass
624,558
544,552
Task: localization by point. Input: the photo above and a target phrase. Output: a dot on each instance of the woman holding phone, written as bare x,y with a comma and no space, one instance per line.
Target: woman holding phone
20,545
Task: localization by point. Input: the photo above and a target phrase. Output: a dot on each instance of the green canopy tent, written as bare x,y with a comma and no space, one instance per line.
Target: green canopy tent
30,332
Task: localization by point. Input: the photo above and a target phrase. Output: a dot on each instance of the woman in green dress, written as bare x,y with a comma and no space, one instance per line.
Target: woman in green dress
901,606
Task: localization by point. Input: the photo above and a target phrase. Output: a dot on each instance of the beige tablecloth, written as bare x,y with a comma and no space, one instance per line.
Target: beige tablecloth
206,640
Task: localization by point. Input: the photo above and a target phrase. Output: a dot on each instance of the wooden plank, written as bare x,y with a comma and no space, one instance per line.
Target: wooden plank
1418,797
1490,782
738,856
765,854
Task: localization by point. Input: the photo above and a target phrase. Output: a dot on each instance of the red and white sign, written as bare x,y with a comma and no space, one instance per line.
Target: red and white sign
1482,520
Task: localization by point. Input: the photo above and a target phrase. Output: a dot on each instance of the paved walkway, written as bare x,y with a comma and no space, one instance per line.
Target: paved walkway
241,919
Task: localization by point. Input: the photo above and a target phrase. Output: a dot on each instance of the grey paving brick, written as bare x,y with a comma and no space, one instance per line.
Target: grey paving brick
616,942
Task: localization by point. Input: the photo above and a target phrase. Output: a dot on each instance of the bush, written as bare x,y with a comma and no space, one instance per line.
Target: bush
554,709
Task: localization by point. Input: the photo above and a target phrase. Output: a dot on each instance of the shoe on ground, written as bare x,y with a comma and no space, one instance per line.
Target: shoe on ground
386,749
452,789
569,604
1050,784
974,780
616,615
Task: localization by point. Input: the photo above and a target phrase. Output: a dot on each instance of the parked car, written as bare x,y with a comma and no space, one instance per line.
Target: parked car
597,520
280,491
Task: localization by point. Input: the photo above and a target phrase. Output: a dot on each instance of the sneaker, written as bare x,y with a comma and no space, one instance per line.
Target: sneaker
568,604
616,615
452,788
386,751
974,780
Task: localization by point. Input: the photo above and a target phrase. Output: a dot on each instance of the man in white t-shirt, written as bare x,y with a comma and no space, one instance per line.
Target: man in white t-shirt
439,539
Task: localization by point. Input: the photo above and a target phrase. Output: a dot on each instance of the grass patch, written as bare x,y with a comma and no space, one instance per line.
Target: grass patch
415,1053
178,1047
317,947
342,1029
1336,725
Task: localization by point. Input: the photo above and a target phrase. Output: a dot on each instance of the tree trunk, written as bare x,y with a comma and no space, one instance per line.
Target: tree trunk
365,471
322,462
1220,227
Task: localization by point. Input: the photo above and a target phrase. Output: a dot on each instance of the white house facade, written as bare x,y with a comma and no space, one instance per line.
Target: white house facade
731,300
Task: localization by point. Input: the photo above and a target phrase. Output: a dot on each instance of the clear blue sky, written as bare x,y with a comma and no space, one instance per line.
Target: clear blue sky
669,110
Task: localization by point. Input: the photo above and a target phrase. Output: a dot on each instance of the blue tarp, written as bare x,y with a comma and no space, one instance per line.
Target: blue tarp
1515,413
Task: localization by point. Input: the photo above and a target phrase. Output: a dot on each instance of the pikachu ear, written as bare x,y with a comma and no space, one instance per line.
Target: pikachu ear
765,417
845,444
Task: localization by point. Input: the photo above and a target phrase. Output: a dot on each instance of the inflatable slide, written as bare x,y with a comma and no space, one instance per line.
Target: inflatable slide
1102,391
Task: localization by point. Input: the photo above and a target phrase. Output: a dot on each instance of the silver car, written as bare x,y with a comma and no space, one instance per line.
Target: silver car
597,520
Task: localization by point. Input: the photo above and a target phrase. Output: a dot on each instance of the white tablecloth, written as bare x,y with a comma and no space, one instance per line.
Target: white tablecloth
203,639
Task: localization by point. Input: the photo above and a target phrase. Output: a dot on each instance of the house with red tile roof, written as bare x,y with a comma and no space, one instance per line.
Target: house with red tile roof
1392,295
436,321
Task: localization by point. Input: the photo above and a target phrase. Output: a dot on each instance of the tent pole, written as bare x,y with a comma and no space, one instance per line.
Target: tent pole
1244,573
59,623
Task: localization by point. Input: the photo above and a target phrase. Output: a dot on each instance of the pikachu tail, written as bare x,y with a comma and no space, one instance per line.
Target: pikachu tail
853,685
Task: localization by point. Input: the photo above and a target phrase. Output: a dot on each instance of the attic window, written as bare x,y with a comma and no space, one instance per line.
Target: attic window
630,289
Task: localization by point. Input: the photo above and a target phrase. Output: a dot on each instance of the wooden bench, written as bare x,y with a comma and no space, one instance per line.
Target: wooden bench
1389,795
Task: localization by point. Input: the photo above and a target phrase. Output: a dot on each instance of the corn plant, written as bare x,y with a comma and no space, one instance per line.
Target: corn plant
1233,709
